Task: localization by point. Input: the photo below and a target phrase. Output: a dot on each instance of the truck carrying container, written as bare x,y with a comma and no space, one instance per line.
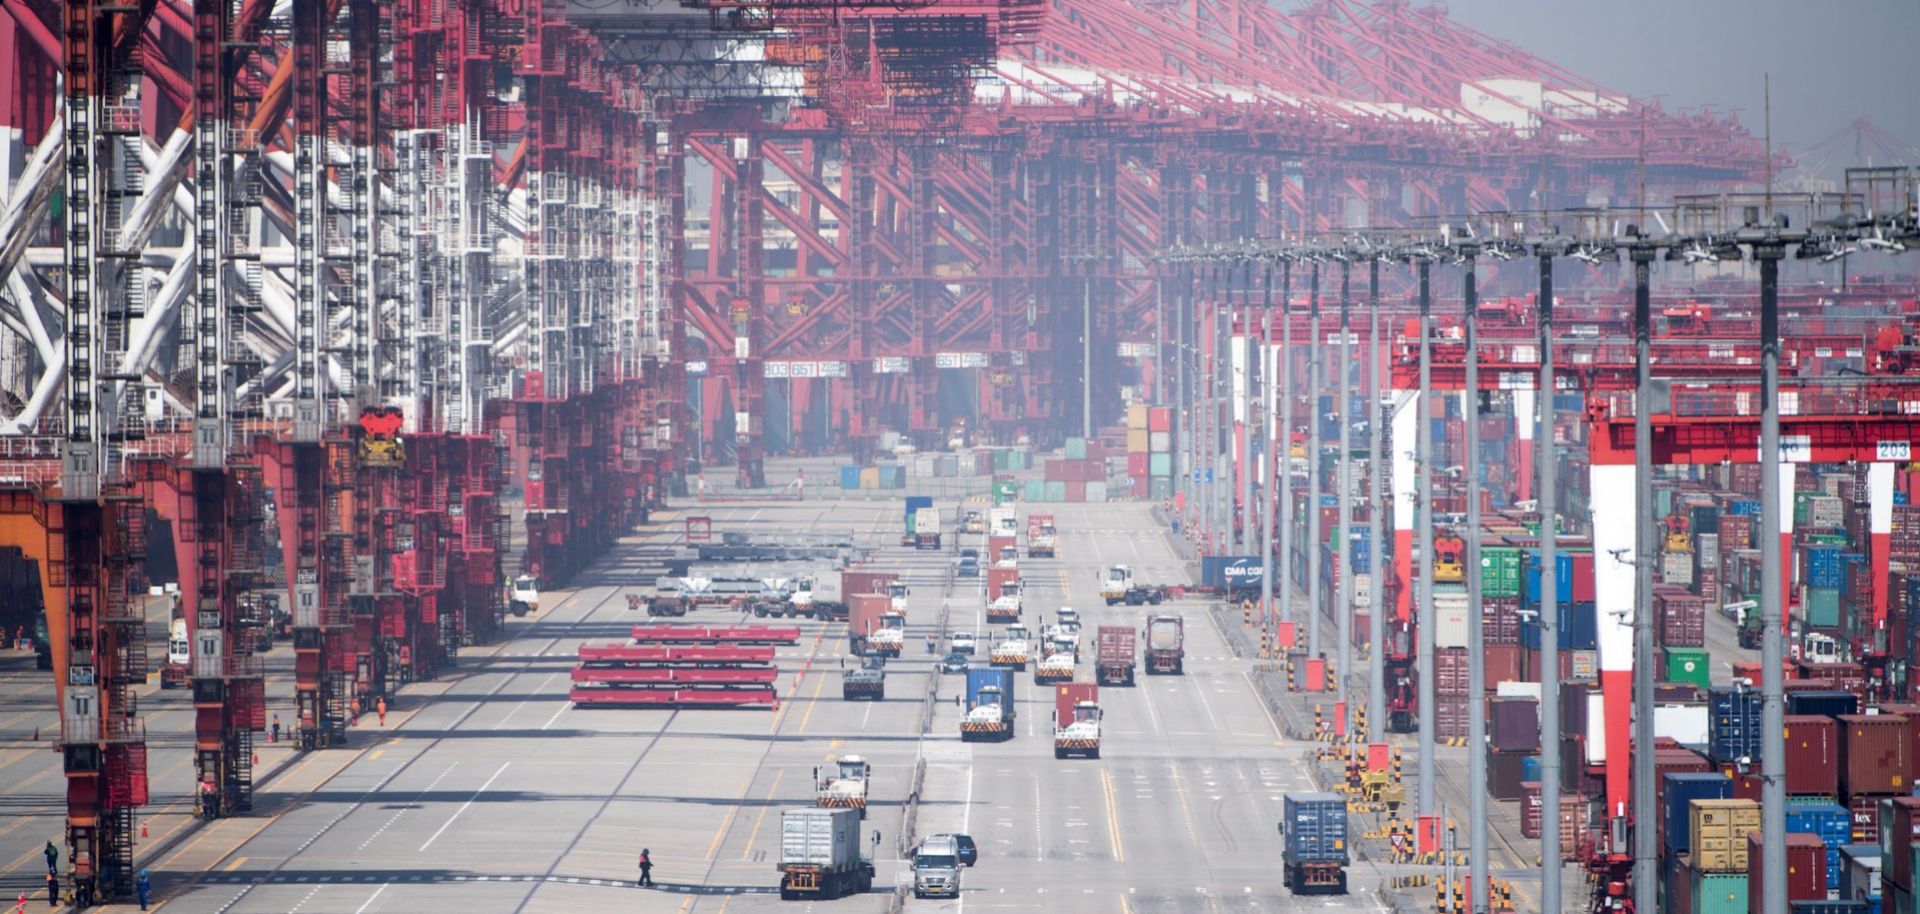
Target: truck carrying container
1076,720
910,535
1236,576
989,705
1166,640
820,854
1040,535
863,619
1114,655
1314,829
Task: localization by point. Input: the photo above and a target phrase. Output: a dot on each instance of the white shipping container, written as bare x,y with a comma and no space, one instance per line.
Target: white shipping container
924,465
1513,689
1863,874
1596,728
1676,568
1685,724
1449,618
827,838
1363,591
1096,492
1160,442
1706,552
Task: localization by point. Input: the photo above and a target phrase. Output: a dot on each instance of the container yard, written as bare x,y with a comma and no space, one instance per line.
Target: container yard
1228,455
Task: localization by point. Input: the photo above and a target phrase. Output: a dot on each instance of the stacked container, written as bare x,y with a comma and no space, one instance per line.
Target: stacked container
1513,736
1452,690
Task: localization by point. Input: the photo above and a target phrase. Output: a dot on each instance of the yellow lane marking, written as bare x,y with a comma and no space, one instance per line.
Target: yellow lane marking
686,904
376,754
1180,793
236,864
812,702
835,744
1113,817
747,854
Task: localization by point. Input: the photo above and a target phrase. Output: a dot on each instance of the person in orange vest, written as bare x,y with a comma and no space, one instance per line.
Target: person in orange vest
380,706
646,867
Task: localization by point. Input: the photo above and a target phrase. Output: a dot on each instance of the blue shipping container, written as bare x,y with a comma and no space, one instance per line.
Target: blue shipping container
849,477
1563,576
1579,630
1733,723
1316,825
1530,768
1831,823
1826,567
1827,907
1236,572
1681,789
1745,507
1828,704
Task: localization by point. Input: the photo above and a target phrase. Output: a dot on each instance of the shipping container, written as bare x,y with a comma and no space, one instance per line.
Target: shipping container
1873,755
1719,893
1687,664
1813,755
1820,700
1899,829
1515,724
1860,872
1717,831
1734,729
1806,870
1316,827
1826,820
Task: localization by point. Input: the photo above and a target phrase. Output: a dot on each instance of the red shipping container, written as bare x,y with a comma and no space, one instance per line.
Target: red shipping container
1573,817
1736,532
1583,577
1502,624
1501,663
1813,755
1912,713
1450,717
1899,828
1873,755
1746,786
1514,725
1076,491
1137,465
1160,419
1450,671
1681,616
1806,870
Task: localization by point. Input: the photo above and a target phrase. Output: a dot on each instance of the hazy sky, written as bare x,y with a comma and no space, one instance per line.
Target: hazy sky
1831,62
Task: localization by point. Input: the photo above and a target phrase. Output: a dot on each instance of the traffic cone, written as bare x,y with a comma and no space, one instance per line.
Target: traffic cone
256,760
143,828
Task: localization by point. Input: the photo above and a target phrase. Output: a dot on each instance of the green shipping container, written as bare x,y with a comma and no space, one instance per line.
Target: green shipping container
1823,607
1036,490
1076,448
1663,501
1499,571
1719,893
1002,459
1687,664
1056,491
1159,464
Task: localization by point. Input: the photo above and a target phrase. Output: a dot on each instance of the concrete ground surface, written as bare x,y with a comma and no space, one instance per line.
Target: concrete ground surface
487,791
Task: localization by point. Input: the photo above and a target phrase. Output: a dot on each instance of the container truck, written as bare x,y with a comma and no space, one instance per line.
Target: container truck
1054,668
926,528
915,504
820,596
1012,651
989,706
867,682
1314,829
820,854
842,784
1166,644
1118,586
1006,607
1003,522
863,619
179,655
890,636
523,595
1076,720
973,522
1113,657
1040,534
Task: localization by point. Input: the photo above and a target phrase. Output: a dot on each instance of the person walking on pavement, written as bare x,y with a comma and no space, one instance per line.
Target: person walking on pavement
646,867
275,737
380,706
53,858
929,644
144,888
53,890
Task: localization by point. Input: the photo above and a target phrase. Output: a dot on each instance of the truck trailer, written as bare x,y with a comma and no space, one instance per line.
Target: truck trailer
1118,586
926,528
1314,828
820,855
863,620
1166,644
989,706
1113,655
842,784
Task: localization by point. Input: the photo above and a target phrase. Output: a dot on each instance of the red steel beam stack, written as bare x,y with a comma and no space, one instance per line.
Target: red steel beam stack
683,666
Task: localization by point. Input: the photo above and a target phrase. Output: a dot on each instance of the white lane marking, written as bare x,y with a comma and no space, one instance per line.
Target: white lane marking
463,806
556,714
369,902
516,708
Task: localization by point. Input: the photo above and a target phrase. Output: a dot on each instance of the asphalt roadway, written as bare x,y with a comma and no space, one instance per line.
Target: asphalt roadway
487,791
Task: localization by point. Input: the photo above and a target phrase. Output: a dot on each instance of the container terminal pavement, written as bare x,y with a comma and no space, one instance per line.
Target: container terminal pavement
489,791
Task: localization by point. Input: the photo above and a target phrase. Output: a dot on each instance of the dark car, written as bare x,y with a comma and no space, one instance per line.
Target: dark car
953,663
967,568
970,553
969,853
